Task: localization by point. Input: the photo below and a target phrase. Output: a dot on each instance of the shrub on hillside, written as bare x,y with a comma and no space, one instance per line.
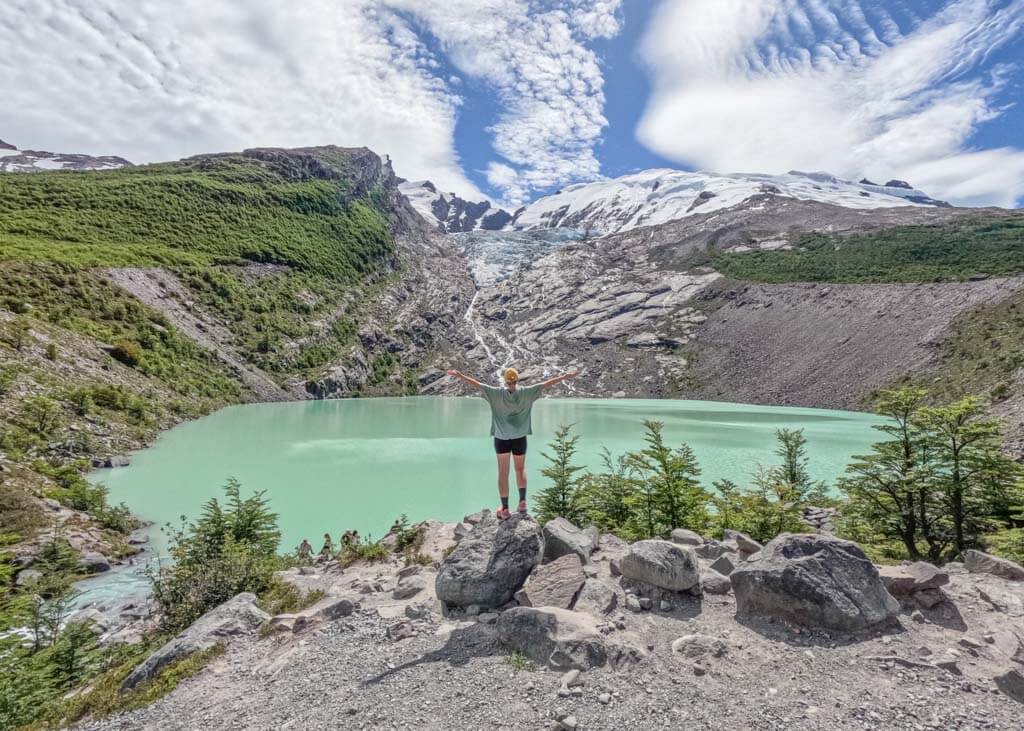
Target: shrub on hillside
127,352
231,548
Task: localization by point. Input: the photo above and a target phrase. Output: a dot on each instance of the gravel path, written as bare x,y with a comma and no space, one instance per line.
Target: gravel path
453,675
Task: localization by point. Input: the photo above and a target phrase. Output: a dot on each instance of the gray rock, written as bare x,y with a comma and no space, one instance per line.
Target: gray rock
27,576
723,565
745,543
715,583
553,584
662,564
561,537
562,640
813,581
906,580
236,616
474,518
712,549
409,586
1011,683
645,602
490,564
685,537
928,598
633,603
978,562
461,531
93,562
598,597
416,610
698,645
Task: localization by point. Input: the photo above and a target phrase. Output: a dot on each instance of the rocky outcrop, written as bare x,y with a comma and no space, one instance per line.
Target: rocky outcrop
599,597
554,584
685,537
490,564
662,564
982,563
93,562
813,581
903,581
561,640
561,538
234,617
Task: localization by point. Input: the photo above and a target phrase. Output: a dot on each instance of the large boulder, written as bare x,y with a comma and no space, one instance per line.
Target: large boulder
93,562
553,584
562,640
561,537
712,582
490,564
746,545
916,577
978,562
236,616
813,581
663,564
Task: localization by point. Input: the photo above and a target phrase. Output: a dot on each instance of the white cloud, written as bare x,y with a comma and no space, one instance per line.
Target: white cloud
150,80
547,81
773,85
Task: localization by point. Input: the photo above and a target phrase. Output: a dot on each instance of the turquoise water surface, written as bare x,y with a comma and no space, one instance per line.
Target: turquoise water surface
328,466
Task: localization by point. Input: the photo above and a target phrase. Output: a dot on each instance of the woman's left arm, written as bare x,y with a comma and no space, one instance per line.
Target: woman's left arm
559,379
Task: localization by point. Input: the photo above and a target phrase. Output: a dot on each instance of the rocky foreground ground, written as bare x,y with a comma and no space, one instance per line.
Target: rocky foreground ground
559,628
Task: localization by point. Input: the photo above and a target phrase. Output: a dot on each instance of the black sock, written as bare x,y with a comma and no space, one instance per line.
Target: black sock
504,502
522,493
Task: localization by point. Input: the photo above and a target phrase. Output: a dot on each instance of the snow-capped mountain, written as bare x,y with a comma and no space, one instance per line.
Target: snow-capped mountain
13,160
657,196
452,213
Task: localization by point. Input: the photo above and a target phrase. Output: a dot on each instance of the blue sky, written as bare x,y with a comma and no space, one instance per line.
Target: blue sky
512,99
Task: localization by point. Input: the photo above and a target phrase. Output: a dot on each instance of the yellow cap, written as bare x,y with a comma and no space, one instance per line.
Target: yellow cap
511,374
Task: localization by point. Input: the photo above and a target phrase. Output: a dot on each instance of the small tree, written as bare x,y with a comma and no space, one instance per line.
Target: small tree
561,499
607,497
674,498
41,415
974,478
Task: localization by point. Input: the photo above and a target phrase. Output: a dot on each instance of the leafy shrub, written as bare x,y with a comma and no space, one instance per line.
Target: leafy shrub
368,550
51,351
8,377
281,597
42,415
230,549
127,352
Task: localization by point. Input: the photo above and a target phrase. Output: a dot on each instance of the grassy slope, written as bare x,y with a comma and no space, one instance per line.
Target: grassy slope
955,251
201,218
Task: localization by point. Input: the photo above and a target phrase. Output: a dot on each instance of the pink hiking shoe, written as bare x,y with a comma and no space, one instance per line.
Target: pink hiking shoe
522,507
503,514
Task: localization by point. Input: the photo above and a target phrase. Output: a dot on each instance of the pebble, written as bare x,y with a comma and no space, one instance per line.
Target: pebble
604,699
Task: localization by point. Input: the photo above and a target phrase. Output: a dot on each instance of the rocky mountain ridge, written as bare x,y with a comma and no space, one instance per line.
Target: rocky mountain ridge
659,196
13,160
452,213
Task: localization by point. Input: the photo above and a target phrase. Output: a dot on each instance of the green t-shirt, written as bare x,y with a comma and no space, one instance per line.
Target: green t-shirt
510,411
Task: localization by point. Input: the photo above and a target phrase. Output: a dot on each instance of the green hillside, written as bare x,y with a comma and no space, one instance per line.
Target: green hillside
985,246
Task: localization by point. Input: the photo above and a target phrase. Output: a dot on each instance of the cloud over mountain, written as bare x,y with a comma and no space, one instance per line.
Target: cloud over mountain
837,85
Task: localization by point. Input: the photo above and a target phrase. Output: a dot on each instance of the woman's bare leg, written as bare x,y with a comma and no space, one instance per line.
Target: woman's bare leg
519,460
503,465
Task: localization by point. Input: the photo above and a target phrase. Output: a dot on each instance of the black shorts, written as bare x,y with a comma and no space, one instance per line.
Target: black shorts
515,446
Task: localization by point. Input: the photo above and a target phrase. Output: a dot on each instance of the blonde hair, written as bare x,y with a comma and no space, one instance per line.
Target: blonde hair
511,374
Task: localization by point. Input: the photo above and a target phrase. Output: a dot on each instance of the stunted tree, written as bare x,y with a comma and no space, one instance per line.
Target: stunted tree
607,497
672,498
973,478
560,499
891,489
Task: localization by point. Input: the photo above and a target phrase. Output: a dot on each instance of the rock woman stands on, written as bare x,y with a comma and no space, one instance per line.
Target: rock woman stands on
510,424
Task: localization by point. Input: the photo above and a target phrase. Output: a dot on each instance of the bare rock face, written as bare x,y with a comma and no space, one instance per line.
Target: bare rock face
813,581
662,564
562,640
561,538
490,564
1011,683
978,562
236,616
553,584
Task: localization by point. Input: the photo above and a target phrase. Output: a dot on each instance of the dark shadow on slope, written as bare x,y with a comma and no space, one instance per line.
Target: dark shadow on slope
777,630
464,644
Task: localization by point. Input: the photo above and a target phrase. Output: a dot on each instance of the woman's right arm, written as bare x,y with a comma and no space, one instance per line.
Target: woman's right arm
466,379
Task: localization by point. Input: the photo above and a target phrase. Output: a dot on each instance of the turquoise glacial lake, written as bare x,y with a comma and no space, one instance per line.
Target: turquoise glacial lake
328,466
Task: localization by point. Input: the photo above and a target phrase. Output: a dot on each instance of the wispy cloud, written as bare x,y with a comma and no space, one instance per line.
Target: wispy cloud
547,80
152,81
772,85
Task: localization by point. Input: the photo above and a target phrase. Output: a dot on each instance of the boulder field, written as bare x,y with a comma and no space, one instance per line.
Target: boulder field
518,625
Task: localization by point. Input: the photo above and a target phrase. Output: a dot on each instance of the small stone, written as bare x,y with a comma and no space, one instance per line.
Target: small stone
645,602
569,722
665,606
632,603
487,617
1011,683
916,616
604,699
571,678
